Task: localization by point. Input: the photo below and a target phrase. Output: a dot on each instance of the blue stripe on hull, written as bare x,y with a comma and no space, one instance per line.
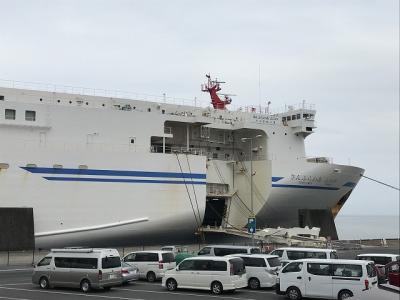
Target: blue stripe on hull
311,187
66,171
124,180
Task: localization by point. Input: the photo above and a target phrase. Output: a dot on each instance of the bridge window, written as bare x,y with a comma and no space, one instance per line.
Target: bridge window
30,115
298,116
10,114
294,117
1,97
288,118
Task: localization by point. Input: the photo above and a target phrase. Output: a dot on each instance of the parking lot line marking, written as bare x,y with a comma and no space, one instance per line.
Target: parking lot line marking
72,294
15,283
260,291
16,270
183,294
11,298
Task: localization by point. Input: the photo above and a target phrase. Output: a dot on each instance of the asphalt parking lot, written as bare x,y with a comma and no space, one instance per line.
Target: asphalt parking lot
15,284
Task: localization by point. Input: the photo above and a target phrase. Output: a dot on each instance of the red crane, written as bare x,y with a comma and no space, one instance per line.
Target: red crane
212,87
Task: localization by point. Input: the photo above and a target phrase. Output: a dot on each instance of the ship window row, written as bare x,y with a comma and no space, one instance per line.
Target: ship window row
297,117
11,114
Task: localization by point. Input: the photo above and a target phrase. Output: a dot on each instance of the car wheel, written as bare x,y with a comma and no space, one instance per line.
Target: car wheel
44,283
345,295
254,283
216,288
293,293
151,277
85,286
171,284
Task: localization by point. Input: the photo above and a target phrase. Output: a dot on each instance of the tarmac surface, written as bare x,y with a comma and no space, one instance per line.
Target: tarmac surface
15,284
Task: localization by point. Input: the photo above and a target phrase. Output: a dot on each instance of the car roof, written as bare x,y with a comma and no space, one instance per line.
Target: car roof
150,251
230,246
255,255
220,258
378,254
334,261
305,249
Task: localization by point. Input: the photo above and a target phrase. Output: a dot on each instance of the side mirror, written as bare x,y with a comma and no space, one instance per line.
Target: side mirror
177,268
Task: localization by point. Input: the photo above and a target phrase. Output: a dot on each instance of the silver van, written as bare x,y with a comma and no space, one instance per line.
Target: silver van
222,250
83,268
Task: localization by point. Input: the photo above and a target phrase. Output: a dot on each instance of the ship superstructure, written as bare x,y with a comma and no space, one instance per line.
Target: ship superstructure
102,170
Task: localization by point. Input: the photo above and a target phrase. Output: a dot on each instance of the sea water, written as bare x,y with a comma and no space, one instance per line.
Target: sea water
354,227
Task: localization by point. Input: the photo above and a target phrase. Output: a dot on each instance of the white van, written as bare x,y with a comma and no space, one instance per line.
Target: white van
151,264
222,250
261,269
327,279
217,274
289,254
83,268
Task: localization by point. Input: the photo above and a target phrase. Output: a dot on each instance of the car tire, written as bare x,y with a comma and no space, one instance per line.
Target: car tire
151,277
254,283
293,293
217,288
346,294
85,286
44,283
171,284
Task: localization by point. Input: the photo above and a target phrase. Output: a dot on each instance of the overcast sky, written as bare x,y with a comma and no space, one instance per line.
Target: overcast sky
341,56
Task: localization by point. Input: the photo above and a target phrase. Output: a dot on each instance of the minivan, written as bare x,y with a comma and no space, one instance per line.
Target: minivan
327,279
289,254
261,269
83,268
151,264
216,274
222,250
380,261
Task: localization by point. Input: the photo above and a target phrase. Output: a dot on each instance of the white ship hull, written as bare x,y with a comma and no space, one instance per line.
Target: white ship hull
106,171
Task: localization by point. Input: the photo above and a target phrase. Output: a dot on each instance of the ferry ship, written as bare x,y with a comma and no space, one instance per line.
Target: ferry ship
99,170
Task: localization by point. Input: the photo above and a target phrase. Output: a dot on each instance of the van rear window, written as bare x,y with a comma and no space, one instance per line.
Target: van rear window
110,262
371,271
168,257
274,262
237,266
254,262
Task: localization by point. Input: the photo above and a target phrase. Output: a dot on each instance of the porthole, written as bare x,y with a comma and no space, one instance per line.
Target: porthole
87,103
57,166
58,101
83,167
70,102
31,165
103,105
149,109
285,133
41,99
273,132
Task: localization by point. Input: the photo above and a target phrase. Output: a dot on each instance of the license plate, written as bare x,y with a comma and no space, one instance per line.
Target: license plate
112,276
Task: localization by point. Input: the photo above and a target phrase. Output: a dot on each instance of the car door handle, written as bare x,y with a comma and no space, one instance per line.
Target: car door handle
309,278
298,277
